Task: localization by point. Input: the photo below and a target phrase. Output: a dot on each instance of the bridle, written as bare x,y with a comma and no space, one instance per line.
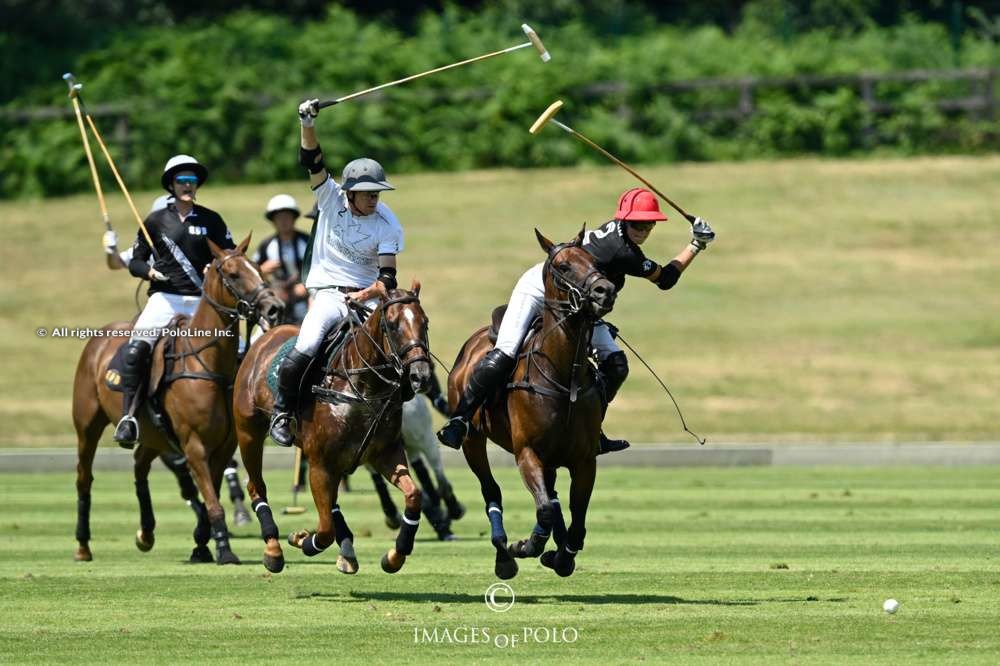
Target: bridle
246,304
578,294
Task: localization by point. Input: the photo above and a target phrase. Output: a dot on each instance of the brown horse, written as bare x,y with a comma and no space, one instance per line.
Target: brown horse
196,395
383,362
550,414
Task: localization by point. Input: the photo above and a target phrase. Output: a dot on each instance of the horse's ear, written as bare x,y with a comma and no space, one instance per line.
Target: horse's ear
546,244
415,287
242,247
217,251
579,237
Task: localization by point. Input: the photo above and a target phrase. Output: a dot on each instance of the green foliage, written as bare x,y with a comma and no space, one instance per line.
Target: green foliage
226,91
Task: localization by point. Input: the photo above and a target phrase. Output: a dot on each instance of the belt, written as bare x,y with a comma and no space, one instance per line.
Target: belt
340,288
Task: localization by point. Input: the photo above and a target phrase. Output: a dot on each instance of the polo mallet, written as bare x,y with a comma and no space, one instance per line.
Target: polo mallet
533,40
295,509
74,93
547,117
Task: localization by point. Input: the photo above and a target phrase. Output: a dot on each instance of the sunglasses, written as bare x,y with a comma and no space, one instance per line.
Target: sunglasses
187,180
643,226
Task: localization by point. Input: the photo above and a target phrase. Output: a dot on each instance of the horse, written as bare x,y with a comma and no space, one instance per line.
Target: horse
383,362
550,414
195,394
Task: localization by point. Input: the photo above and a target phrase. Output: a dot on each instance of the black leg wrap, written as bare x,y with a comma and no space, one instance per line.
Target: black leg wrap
407,532
83,518
220,534
268,528
558,523
575,538
309,546
340,527
202,530
233,482
147,521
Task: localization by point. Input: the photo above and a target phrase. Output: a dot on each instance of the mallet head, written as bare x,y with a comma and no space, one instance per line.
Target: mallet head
536,42
546,116
74,87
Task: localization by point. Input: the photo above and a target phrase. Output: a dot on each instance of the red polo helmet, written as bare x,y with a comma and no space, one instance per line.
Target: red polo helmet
639,205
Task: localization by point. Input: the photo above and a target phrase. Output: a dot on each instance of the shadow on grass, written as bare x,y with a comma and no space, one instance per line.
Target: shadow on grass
594,599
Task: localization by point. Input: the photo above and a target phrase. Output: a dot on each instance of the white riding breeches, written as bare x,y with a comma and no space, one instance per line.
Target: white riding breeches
159,310
526,302
327,310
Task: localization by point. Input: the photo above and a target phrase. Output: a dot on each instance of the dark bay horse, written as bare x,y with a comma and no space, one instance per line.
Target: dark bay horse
383,363
197,398
550,416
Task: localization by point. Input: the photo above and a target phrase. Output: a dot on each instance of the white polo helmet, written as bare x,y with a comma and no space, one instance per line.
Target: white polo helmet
280,202
179,163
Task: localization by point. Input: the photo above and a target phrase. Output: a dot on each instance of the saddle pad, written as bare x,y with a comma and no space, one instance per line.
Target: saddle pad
272,371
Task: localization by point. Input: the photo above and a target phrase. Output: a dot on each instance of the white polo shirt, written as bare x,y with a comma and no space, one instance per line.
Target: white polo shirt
347,246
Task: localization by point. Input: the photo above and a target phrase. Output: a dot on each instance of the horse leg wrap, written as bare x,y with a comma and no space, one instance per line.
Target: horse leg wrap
574,541
407,532
220,534
202,530
83,518
495,513
147,521
340,527
310,547
268,528
435,516
233,482
558,523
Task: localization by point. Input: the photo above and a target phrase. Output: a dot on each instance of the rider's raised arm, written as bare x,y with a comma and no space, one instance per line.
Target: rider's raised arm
310,154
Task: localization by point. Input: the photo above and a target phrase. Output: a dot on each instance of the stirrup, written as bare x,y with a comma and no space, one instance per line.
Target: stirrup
447,433
282,420
127,432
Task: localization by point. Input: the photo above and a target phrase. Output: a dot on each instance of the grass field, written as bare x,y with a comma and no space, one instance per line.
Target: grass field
763,565
847,300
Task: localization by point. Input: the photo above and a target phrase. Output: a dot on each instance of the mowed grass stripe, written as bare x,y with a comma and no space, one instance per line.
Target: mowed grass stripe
670,573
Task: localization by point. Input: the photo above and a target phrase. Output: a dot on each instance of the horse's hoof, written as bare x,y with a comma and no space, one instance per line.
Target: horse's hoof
296,538
348,565
227,557
144,543
201,555
240,514
274,564
456,510
563,566
505,569
393,522
387,565
83,554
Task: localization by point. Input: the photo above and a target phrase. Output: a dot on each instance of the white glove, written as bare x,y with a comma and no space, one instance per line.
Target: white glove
701,234
308,110
110,241
157,276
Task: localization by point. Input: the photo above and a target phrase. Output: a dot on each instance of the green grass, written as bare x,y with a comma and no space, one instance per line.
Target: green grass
843,300
763,565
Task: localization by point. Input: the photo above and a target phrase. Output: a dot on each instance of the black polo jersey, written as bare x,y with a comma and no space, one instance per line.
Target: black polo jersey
288,253
181,248
616,256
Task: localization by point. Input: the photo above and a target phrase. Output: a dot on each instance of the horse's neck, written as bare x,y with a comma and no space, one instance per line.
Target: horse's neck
563,340
363,349
221,356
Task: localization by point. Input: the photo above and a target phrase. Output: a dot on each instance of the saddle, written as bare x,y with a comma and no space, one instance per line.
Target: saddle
497,318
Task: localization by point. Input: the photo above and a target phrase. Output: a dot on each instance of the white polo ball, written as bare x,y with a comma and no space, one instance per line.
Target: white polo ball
890,606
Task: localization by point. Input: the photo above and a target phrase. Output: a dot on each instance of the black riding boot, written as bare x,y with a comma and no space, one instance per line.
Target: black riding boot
289,378
136,358
485,378
614,369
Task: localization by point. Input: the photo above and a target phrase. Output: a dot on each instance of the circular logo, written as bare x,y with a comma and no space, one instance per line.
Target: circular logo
501,605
